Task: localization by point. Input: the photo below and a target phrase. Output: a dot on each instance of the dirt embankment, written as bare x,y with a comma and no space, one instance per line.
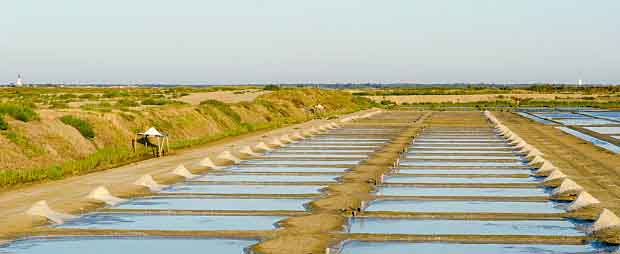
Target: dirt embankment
312,234
594,168
47,148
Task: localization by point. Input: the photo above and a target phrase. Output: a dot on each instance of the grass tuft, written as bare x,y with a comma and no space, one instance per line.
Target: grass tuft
84,127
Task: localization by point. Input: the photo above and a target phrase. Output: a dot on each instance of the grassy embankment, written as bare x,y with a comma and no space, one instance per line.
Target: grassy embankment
52,143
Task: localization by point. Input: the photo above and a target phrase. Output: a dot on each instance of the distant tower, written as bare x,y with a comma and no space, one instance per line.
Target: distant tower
19,82
580,83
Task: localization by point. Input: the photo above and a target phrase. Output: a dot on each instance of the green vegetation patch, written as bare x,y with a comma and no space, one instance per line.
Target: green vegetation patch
30,149
84,127
20,112
224,108
3,124
271,88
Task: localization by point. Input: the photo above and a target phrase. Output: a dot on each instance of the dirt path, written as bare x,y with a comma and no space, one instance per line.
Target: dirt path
69,195
596,169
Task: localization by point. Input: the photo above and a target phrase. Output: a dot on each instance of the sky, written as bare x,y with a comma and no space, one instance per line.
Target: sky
318,41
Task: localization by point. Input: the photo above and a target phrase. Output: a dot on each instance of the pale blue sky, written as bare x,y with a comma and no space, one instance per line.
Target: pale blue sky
263,41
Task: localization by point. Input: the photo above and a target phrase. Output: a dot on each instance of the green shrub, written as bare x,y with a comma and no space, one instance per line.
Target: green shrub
155,102
84,127
271,88
20,112
224,108
127,103
3,124
59,105
87,96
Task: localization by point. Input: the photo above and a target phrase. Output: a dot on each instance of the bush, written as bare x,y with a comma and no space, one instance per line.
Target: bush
20,112
224,108
155,102
3,124
127,103
271,88
84,127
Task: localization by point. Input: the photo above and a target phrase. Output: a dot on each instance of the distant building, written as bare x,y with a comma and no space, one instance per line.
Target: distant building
19,82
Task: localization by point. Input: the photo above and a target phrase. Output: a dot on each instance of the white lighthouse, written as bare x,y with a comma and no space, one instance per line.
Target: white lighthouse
19,82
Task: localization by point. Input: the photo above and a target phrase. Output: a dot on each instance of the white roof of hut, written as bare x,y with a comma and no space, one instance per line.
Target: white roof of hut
152,132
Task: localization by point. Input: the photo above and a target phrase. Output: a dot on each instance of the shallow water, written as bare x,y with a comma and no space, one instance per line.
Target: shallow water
307,162
464,206
172,222
489,135
266,178
318,156
604,130
462,148
321,151
462,192
243,189
412,152
259,204
585,121
560,115
485,140
394,247
473,180
597,142
461,164
463,144
351,138
463,157
463,227
287,169
346,142
129,245
611,115
333,146
534,118
465,171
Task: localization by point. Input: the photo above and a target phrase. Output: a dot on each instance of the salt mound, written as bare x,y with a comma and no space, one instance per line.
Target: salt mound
555,175
147,181
247,151
102,194
208,163
537,160
182,171
520,145
297,136
567,186
262,148
42,209
275,143
286,139
583,200
228,157
545,169
606,219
